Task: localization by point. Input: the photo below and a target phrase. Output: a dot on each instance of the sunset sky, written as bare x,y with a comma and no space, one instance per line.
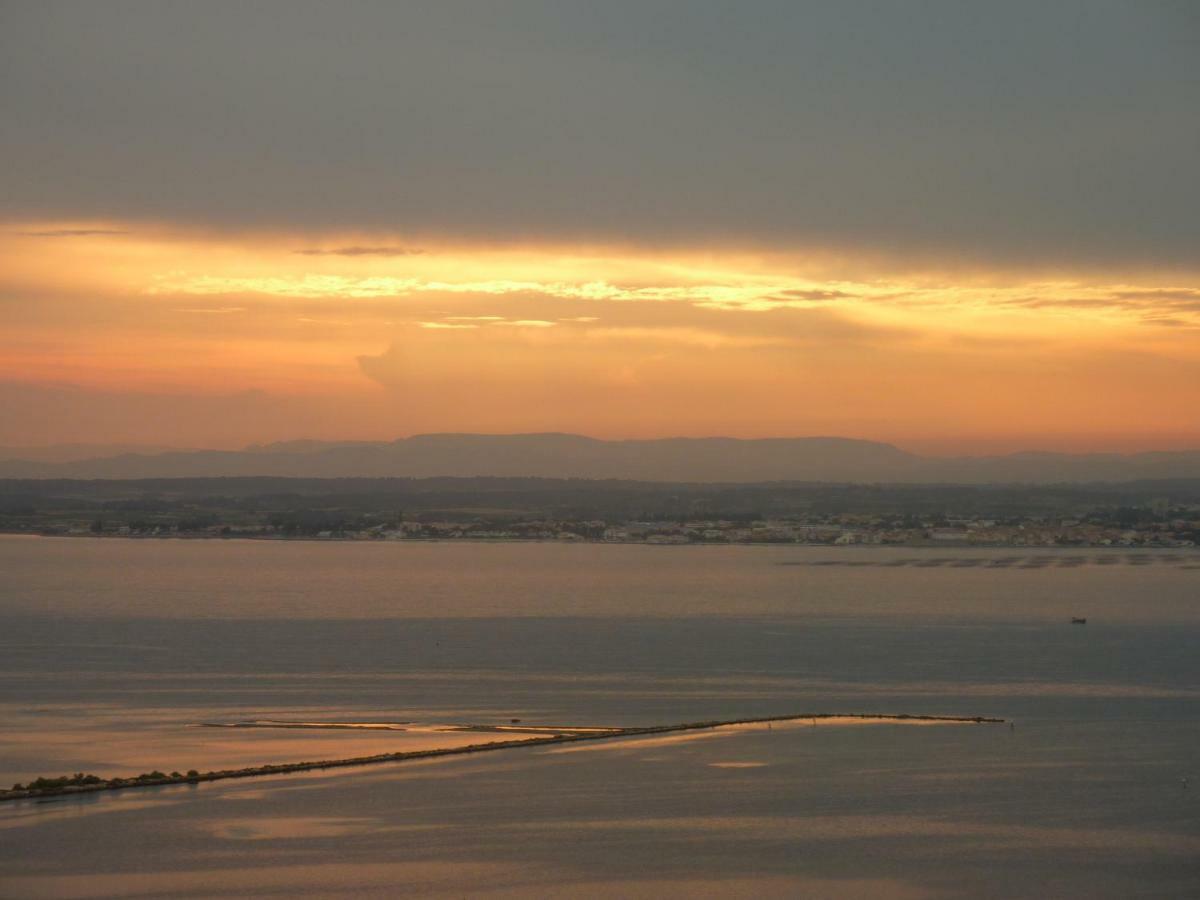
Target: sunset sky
958,227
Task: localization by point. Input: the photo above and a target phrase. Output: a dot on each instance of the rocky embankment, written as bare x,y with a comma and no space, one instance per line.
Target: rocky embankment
84,784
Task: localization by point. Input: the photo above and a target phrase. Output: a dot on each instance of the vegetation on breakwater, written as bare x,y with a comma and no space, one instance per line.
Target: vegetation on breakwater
81,783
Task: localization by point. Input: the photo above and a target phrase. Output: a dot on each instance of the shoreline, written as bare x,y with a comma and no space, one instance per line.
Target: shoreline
862,545
115,784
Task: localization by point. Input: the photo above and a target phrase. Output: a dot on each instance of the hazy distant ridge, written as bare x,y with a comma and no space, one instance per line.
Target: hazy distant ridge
573,456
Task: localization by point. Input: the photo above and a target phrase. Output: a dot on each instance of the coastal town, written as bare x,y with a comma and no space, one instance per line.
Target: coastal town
1137,514
833,530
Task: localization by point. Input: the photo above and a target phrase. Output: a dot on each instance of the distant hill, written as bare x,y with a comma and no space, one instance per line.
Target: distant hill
716,459
57,453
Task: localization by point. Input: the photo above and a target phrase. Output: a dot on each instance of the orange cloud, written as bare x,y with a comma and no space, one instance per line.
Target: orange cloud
608,341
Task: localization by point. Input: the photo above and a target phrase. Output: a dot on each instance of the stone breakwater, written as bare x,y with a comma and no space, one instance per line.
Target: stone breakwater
90,784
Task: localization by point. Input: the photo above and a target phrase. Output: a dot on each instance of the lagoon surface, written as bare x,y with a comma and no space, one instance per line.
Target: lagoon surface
112,650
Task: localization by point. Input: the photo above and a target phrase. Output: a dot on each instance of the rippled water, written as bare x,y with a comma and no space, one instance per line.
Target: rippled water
110,649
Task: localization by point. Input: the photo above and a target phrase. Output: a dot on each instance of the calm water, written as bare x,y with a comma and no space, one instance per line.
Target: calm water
110,649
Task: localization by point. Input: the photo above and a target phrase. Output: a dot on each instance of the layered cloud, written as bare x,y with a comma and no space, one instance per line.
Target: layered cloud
358,251
960,224
1019,131
613,341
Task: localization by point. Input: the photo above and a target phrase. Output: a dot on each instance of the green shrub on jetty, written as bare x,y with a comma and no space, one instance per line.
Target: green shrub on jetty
49,784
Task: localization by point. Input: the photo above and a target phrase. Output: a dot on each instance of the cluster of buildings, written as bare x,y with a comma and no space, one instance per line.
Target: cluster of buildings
837,530
1181,529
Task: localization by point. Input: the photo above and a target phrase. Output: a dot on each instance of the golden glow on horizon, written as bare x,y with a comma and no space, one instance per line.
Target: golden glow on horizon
412,336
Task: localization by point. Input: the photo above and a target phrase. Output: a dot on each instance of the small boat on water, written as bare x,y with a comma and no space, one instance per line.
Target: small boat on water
1075,620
